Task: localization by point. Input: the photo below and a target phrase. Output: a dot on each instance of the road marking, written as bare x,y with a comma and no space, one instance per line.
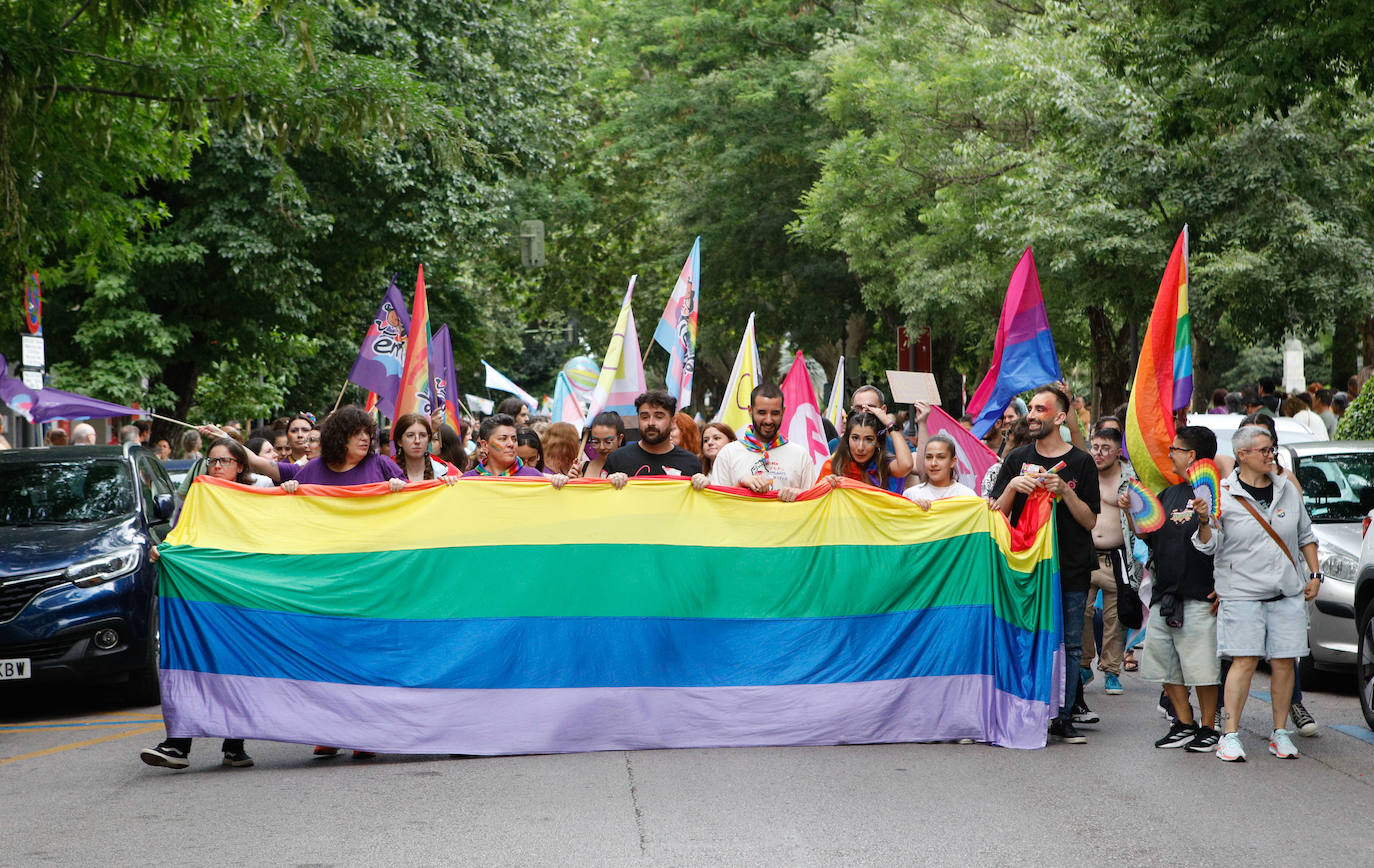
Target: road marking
18,727
1262,695
142,730
1359,732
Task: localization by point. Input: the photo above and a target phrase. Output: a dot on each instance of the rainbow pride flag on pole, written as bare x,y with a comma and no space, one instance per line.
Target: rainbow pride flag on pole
393,624
677,328
1163,376
1023,354
413,396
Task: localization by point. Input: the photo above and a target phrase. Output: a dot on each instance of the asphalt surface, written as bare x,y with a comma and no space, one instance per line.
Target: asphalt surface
73,792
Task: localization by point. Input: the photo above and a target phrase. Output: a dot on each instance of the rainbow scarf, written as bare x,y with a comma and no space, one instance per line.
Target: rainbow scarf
400,632
483,470
752,442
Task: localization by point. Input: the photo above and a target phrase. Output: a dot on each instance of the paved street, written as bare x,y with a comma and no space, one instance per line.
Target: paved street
74,793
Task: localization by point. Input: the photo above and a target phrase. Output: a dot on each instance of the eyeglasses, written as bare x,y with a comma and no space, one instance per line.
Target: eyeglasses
219,462
603,441
1180,449
1105,450
1264,450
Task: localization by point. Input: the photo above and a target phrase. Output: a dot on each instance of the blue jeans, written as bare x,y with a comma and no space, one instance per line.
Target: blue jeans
1073,603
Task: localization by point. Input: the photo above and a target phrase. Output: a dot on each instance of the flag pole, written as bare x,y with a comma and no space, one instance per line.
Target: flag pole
339,399
173,421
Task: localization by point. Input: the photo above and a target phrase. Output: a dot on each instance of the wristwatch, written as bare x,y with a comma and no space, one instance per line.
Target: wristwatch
1317,575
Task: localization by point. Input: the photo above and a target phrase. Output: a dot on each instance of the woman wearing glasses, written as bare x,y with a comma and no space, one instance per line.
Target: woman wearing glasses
1261,585
414,437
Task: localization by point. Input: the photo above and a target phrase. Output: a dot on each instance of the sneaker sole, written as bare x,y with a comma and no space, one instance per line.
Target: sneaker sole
1117,692
1087,721
1177,744
1275,752
1240,758
1308,731
153,758
1202,748
237,764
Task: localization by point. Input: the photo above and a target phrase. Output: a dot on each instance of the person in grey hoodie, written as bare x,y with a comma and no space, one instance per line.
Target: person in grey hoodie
1262,590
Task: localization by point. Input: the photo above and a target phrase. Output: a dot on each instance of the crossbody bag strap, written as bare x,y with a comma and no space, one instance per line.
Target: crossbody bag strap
1245,502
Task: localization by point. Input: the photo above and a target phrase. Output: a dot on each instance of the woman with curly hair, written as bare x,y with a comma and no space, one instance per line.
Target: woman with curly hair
346,456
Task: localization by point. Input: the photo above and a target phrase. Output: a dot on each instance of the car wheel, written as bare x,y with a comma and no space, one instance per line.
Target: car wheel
143,688
1364,668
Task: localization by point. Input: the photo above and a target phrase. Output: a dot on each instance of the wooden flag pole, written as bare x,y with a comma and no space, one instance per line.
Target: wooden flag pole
339,399
174,421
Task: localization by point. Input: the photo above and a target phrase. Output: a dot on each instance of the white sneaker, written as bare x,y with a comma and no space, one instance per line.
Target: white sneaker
1229,749
1281,746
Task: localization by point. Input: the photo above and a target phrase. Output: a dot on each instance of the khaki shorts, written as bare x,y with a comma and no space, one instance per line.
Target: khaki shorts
1184,655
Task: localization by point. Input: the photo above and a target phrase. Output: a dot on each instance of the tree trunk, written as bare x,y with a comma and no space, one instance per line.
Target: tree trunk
1110,364
181,378
1345,346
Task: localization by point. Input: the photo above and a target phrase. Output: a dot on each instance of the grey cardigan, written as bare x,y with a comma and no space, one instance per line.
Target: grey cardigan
1247,564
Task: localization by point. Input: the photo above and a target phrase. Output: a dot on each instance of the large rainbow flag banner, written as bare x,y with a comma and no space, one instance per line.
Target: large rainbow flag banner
394,622
1163,376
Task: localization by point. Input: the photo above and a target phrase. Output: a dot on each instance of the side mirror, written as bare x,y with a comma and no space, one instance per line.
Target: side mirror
164,505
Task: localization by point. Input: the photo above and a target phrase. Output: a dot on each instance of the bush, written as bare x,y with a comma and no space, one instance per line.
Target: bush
1358,421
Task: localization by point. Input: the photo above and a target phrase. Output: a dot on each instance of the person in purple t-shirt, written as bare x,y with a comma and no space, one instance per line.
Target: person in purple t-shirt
496,438
346,456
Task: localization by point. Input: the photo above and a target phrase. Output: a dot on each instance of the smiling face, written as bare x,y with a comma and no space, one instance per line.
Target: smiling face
766,416
711,441
940,463
1045,415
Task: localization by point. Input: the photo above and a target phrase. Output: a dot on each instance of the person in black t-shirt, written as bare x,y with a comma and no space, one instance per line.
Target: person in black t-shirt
1075,487
654,453
1181,644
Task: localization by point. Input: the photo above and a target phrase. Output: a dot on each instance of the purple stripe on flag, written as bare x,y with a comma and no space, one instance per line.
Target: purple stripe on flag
409,720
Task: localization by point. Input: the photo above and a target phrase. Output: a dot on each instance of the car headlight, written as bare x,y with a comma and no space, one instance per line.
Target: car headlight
1340,567
105,567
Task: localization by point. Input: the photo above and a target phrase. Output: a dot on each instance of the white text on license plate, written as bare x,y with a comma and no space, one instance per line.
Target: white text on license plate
15,668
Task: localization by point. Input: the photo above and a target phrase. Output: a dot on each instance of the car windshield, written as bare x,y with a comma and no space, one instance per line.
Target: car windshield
1338,486
64,491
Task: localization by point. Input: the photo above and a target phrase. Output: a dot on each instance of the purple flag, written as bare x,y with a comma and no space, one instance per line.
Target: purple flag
383,353
443,377
44,405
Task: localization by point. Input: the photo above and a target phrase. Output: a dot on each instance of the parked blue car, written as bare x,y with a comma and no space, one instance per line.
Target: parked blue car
78,593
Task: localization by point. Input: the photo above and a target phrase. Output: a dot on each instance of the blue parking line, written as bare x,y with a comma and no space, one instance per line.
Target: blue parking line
1262,695
1359,732
22,726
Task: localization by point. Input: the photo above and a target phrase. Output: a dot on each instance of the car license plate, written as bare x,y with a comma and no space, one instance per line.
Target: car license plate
15,668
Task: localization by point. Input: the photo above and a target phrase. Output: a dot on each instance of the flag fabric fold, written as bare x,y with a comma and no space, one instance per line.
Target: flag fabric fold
566,406
834,409
500,382
677,328
399,632
44,405
1023,354
414,395
744,376
382,357
801,414
443,377
1163,376
975,459
622,370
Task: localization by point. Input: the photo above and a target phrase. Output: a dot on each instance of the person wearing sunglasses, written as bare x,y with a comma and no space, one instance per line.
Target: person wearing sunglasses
1261,586
606,436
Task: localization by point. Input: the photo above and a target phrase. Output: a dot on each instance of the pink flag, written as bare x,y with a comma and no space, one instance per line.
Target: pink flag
975,458
801,414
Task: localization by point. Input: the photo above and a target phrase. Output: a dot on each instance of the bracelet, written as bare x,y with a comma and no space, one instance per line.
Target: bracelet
1317,576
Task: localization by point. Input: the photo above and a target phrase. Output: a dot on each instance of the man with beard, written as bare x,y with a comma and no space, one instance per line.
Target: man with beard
1074,483
654,453
761,459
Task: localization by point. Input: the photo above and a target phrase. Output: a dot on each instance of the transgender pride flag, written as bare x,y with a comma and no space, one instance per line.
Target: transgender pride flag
677,328
622,371
1023,355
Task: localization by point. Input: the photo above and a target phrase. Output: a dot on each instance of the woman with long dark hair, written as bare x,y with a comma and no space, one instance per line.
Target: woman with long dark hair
413,438
859,455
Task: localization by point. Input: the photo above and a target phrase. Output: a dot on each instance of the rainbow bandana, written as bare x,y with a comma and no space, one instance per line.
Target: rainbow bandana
515,468
752,442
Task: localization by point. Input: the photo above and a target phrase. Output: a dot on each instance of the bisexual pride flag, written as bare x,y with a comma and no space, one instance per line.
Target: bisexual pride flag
382,356
392,622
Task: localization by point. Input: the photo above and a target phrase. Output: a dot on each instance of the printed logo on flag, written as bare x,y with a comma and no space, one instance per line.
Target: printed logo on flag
387,339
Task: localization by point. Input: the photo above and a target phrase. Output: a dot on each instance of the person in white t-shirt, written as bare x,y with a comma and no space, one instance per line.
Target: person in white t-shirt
941,464
762,459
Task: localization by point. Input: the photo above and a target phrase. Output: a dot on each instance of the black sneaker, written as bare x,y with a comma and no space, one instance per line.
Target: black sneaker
1204,742
1082,714
1063,728
237,759
1179,734
164,756
1302,720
